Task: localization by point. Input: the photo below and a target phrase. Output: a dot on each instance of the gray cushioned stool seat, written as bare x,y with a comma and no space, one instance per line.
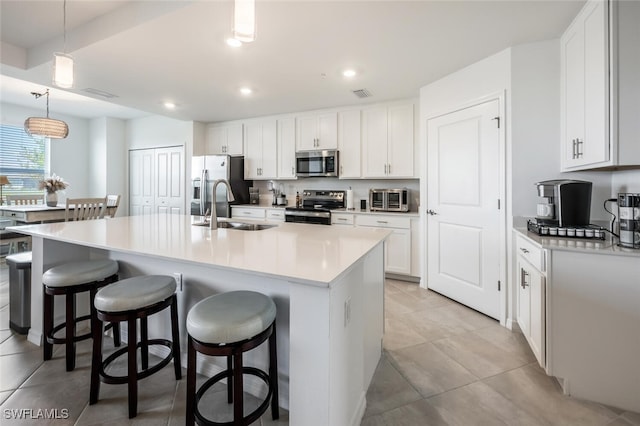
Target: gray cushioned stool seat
79,272
20,260
230,317
134,293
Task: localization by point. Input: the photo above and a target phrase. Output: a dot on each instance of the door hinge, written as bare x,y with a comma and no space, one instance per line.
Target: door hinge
498,285
498,120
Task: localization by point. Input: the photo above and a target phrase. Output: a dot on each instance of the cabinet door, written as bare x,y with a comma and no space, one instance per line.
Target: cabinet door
398,252
234,139
531,308
269,150
141,182
253,151
400,141
327,131
374,142
524,298
307,135
349,143
169,180
216,140
287,148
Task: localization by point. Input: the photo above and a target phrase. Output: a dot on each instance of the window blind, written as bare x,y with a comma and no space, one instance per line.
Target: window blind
22,160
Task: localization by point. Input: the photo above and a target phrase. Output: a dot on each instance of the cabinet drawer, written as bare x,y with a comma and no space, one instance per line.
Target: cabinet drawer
248,212
14,215
275,214
530,251
383,221
341,219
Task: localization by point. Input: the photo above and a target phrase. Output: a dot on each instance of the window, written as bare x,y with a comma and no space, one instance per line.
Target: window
22,160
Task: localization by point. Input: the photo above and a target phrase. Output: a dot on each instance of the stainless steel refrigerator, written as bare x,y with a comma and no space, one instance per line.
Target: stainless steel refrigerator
205,170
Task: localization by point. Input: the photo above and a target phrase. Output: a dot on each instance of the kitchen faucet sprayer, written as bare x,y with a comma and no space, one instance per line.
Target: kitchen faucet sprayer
213,223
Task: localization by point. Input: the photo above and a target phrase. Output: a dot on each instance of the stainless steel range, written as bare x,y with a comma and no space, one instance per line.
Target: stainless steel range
316,207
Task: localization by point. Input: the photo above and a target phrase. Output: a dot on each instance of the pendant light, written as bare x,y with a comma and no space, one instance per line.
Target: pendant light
63,63
244,20
47,127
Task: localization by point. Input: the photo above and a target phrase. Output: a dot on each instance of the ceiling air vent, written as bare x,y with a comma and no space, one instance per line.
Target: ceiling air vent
100,93
362,93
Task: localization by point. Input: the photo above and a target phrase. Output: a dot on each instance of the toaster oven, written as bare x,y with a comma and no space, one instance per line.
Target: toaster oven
389,200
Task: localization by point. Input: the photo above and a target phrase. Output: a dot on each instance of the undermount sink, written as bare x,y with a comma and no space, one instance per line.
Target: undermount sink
241,226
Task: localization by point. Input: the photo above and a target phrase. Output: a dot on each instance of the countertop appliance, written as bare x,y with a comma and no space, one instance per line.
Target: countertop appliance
389,200
317,163
629,209
205,170
316,207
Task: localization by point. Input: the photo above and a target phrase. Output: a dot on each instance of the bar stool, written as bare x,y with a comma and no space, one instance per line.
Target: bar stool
127,300
230,324
69,279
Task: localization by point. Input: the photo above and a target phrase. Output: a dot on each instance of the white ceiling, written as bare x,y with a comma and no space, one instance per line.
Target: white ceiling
151,51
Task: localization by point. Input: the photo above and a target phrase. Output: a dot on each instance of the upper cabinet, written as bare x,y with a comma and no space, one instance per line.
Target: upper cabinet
349,144
225,139
388,141
286,148
260,159
600,71
317,132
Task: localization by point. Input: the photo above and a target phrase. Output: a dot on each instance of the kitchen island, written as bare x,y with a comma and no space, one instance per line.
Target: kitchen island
327,283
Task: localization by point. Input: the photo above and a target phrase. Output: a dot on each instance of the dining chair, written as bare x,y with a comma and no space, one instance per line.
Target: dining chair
24,200
113,201
85,208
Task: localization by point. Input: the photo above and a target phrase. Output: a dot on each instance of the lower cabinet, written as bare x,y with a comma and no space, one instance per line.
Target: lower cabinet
397,257
248,212
531,291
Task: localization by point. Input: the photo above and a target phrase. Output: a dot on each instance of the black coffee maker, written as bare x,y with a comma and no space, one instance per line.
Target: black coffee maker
564,202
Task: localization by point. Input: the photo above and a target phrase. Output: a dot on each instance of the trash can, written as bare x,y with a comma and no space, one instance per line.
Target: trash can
20,291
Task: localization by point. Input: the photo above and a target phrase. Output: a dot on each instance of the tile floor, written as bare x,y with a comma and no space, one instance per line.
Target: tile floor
443,364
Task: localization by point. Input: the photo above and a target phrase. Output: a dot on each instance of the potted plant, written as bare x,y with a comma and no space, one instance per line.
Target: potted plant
52,185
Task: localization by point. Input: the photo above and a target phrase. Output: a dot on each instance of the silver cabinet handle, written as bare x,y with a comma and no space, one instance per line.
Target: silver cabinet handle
382,221
579,153
389,168
431,212
573,149
523,278
524,250
293,171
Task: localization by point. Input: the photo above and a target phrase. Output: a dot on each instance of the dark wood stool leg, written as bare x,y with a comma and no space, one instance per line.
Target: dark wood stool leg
47,324
191,382
175,337
229,379
273,374
115,329
144,343
132,367
96,360
70,330
238,390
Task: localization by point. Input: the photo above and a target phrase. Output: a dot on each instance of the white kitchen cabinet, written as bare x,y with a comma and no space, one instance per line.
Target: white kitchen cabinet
261,145
156,181
531,281
286,148
248,212
342,219
317,132
398,246
388,141
276,215
225,139
600,71
349,143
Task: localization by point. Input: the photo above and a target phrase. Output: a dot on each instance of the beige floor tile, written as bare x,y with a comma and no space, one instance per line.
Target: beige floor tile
429,370
398,334
634,418
5,334
479,356
456,319
430,330
620,421
373,421
16,368
16,344
417,413
478,404
539,395
509,341
4,395
4,318
410,303
388,389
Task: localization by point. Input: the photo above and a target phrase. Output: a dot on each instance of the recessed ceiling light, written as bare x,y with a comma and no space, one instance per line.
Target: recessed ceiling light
169,105
246,91
349,73
234,42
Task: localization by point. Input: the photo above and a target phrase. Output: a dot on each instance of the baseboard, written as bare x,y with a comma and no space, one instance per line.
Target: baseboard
401,277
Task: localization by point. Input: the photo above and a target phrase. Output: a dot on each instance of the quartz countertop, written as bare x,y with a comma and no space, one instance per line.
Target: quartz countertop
308,254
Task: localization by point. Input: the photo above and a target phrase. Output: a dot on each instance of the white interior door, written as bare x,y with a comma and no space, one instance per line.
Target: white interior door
463,243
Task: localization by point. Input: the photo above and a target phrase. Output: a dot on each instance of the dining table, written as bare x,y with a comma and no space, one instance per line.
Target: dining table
37,213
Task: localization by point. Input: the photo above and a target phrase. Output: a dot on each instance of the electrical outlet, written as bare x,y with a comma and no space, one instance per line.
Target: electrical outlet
178,277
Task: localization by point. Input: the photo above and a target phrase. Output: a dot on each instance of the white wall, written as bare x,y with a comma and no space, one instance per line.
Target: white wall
156,131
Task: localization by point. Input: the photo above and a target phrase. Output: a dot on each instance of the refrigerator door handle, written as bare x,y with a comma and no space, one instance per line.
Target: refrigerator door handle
203,191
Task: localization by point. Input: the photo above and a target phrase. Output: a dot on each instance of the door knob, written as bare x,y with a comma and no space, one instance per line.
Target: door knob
431,212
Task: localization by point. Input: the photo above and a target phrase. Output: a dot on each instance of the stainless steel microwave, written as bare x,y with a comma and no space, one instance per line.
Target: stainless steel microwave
317,163
389,200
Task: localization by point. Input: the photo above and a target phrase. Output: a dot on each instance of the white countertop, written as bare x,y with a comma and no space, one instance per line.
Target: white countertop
309,254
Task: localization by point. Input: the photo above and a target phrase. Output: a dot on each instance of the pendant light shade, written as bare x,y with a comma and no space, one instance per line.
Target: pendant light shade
47,127
63,70
244,20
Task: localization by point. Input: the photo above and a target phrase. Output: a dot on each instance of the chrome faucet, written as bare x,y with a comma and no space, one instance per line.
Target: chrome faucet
213,222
